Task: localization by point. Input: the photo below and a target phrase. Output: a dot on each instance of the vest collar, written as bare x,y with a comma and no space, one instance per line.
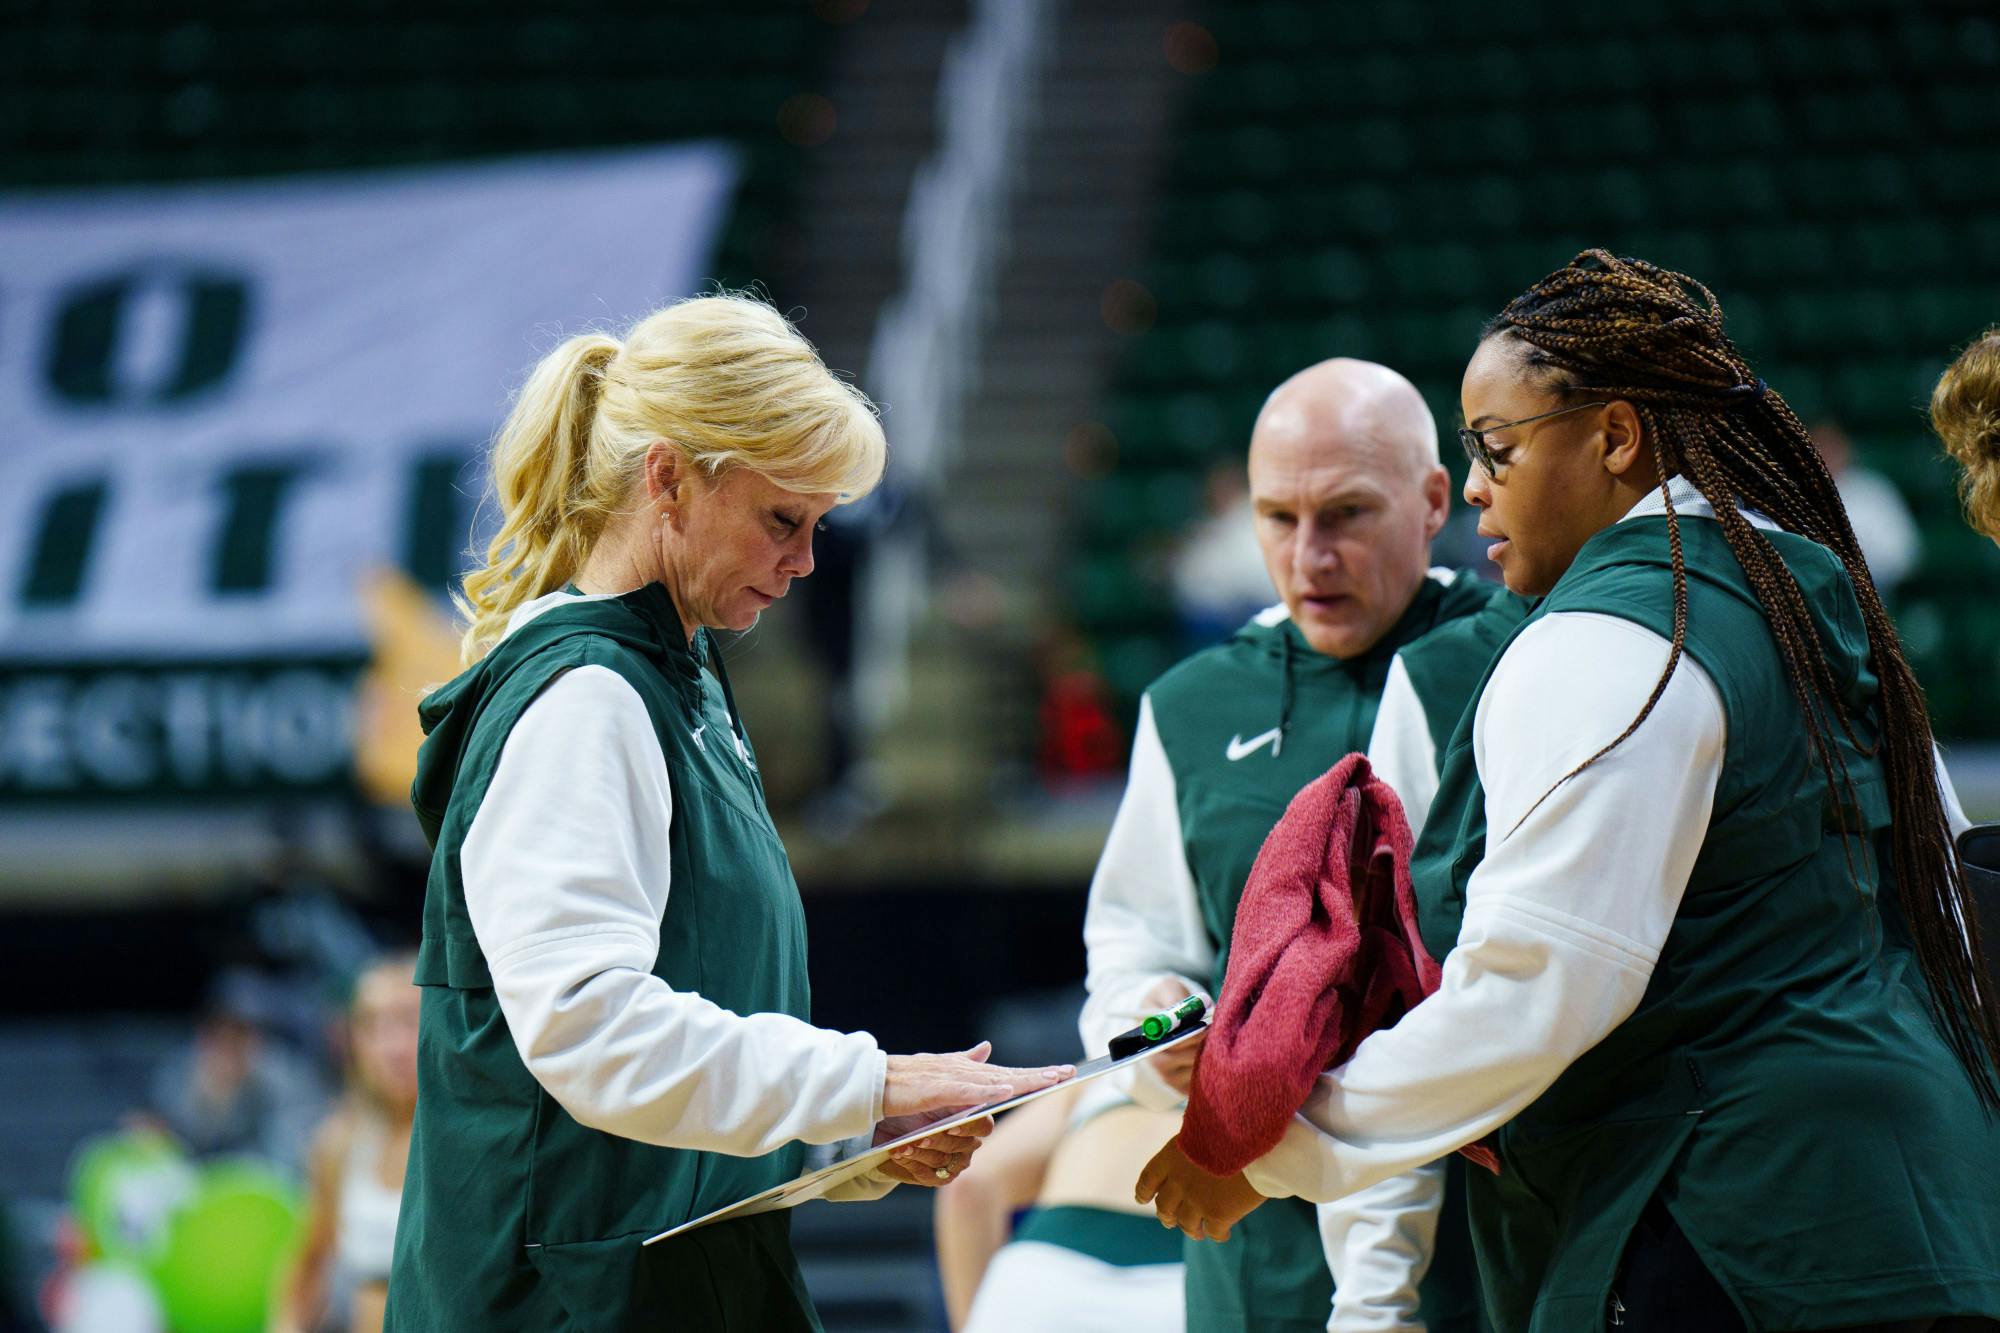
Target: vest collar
1688,503
654,605
1687,499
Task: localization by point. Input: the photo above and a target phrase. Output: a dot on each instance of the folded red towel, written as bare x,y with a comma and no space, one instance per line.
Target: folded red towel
1325,950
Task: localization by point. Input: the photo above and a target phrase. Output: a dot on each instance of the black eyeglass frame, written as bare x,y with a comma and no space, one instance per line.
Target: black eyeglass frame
1480,454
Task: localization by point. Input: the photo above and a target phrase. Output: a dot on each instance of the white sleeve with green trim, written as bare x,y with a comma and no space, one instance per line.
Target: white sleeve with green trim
566,869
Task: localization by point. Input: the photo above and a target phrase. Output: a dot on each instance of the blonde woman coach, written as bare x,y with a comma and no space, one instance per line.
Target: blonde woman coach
614,1033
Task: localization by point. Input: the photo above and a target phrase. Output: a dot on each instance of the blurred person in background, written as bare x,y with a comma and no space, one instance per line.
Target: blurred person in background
1219,577
1079,736
1965,411
235,1091
850,792
1671,993
1881,518
614,1037
354,1184
1085,1258
1346,495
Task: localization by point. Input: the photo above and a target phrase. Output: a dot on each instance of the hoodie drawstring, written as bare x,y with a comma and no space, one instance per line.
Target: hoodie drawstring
1284,692
728,696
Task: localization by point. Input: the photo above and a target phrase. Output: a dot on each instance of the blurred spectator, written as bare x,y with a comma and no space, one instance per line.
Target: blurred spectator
1882,522
1079,737
1219,576
846,794
340,1279
235,1091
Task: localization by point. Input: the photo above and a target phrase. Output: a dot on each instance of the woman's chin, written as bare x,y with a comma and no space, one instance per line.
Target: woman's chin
1518,579
1525,582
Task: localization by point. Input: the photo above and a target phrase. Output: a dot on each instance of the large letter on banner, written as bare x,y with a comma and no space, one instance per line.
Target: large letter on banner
222,405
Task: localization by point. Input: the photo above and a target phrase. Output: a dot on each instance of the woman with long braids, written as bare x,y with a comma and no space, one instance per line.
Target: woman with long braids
1711,991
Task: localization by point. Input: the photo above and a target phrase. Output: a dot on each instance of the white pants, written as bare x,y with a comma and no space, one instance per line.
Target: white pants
1034,1287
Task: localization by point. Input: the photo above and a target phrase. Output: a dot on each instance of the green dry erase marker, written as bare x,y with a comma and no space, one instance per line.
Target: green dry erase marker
1159,1025
1157,1028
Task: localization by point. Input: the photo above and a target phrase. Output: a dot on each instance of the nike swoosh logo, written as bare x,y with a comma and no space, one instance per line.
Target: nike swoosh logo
1242,749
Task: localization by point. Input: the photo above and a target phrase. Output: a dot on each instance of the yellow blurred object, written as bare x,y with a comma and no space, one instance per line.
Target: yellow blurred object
415,650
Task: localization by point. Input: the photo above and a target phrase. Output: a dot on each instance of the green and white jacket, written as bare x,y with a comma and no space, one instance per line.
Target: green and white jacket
1224,741
615,1032
1661,978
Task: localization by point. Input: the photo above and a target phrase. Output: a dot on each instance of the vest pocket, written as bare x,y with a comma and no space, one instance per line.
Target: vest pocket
732,1277
622,1285
448,960
1596,1181
450,953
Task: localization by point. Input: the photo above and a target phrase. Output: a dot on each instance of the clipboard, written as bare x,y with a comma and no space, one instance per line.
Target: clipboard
816,1184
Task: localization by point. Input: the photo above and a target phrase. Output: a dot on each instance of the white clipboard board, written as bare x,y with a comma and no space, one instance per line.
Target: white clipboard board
815,1184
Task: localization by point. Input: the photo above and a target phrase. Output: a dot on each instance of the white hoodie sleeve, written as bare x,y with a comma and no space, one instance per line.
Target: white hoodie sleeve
1143,924
1565,916
566,870
1378,1243
1379,1240
1400,749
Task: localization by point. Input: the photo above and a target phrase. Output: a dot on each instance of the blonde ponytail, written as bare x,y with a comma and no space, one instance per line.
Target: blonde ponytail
541,468
725,379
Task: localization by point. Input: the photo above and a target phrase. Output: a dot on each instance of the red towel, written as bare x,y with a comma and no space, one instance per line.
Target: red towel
1325,951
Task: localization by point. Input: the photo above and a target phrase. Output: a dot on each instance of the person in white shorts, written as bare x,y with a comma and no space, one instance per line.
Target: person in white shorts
1084,1258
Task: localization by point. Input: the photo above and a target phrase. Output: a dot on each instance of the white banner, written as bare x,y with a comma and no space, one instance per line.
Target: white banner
220,405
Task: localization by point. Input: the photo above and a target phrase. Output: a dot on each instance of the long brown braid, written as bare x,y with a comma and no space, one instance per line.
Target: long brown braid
1623,328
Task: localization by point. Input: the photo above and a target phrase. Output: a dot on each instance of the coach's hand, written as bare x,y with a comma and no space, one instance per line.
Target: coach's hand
1183,1195
920,1089
1174,1067
949,1151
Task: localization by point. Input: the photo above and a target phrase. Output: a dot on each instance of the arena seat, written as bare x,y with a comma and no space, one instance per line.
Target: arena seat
1374,179
129,92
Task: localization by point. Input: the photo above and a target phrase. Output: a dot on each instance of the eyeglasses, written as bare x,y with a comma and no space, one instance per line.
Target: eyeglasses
1480,453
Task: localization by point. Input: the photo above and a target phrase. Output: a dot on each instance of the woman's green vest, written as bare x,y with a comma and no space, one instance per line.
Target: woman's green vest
1782,1085
514,1215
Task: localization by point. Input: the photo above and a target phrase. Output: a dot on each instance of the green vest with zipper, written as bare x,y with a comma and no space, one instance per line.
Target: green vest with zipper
514,1215
1781,1086
1309,711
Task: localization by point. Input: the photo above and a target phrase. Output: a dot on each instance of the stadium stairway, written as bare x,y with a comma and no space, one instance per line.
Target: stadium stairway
882,84
966,728
1079,225
846,263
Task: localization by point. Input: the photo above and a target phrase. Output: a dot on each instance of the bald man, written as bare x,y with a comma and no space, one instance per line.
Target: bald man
1347,495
